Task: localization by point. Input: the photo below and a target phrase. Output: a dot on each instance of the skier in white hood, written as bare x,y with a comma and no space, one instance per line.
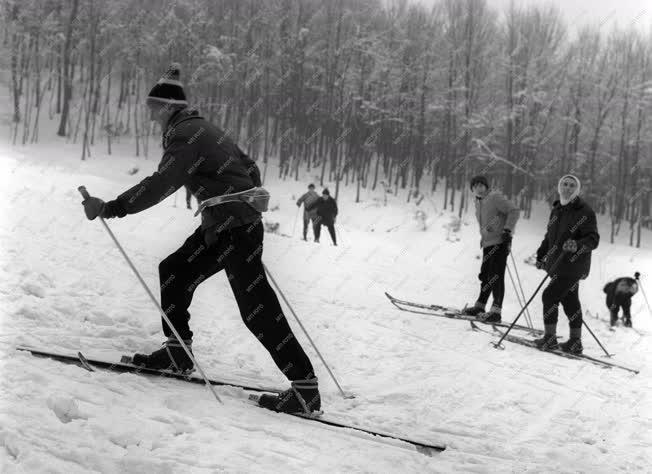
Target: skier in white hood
571,236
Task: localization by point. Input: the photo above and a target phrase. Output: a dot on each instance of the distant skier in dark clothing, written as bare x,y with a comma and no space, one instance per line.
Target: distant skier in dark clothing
619,295
497,217
326,209
307,199
201,156
572,231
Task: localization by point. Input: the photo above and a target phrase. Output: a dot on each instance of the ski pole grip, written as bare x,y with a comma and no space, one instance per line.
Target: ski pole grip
84,193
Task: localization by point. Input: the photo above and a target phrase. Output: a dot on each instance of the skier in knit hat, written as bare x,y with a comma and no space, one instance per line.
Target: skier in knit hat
227,183
497,217
571,236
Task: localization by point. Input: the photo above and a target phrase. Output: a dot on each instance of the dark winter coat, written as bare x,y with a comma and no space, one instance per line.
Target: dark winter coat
202,157
621,289
576,221
326,210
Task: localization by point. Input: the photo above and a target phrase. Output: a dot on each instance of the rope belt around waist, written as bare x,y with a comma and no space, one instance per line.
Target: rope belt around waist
257,198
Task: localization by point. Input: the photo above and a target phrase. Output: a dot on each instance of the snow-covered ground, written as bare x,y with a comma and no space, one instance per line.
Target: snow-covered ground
66,287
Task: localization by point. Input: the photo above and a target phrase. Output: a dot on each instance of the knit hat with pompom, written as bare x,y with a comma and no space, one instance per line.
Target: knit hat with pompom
168,89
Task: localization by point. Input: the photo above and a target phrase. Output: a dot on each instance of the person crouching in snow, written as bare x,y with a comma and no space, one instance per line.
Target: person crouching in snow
230,237
571,236
619,295
497,217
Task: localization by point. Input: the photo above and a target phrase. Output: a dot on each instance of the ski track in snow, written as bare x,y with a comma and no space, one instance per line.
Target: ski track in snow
65,287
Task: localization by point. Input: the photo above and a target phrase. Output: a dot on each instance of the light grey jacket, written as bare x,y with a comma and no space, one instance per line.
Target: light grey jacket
307,199
495,213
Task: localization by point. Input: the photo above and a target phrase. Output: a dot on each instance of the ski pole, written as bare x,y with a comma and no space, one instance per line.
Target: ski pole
518,279
637,275
287,303
84,193
596,338
518,298
498,345
296,218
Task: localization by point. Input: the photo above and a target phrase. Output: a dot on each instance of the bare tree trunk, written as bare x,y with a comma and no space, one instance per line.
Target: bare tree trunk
67,79
37,89
137,77
15,53
91,81
106,122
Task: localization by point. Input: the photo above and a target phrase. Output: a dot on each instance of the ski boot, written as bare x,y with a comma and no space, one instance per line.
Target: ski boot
627,320
572,346
493,316
169,357
474,310
302,397
547,343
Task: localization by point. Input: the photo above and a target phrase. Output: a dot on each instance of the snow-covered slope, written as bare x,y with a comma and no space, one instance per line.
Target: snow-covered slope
66,287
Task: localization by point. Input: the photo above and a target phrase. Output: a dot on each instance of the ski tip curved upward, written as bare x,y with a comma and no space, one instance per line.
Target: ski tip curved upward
84,362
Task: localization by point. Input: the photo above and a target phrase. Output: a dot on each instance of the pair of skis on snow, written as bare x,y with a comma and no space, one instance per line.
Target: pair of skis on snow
446,312
451,313
530,343
125,366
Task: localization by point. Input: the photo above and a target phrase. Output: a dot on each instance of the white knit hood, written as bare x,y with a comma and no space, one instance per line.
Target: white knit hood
574,195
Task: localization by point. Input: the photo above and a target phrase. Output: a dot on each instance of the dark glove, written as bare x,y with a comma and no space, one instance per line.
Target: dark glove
570,246
94,207
539,264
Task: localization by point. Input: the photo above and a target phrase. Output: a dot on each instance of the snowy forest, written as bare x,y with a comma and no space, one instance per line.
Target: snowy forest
362,93
387,319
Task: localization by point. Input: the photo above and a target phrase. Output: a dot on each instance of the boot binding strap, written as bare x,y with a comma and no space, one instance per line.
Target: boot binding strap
303,384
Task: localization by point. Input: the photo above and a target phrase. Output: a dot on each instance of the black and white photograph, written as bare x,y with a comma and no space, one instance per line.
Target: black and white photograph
325,236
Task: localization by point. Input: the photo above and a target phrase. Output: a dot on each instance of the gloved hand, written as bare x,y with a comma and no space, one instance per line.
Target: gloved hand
94,207
570,246
507,237
539,264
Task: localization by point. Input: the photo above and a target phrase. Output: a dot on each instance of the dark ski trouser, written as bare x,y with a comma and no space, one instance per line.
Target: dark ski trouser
306,222
565,291
331,230
615,303
492,274
239,252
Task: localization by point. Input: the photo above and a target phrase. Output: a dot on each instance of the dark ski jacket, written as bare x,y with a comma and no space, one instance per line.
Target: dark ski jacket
326,209
621,289
576,220
202,157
